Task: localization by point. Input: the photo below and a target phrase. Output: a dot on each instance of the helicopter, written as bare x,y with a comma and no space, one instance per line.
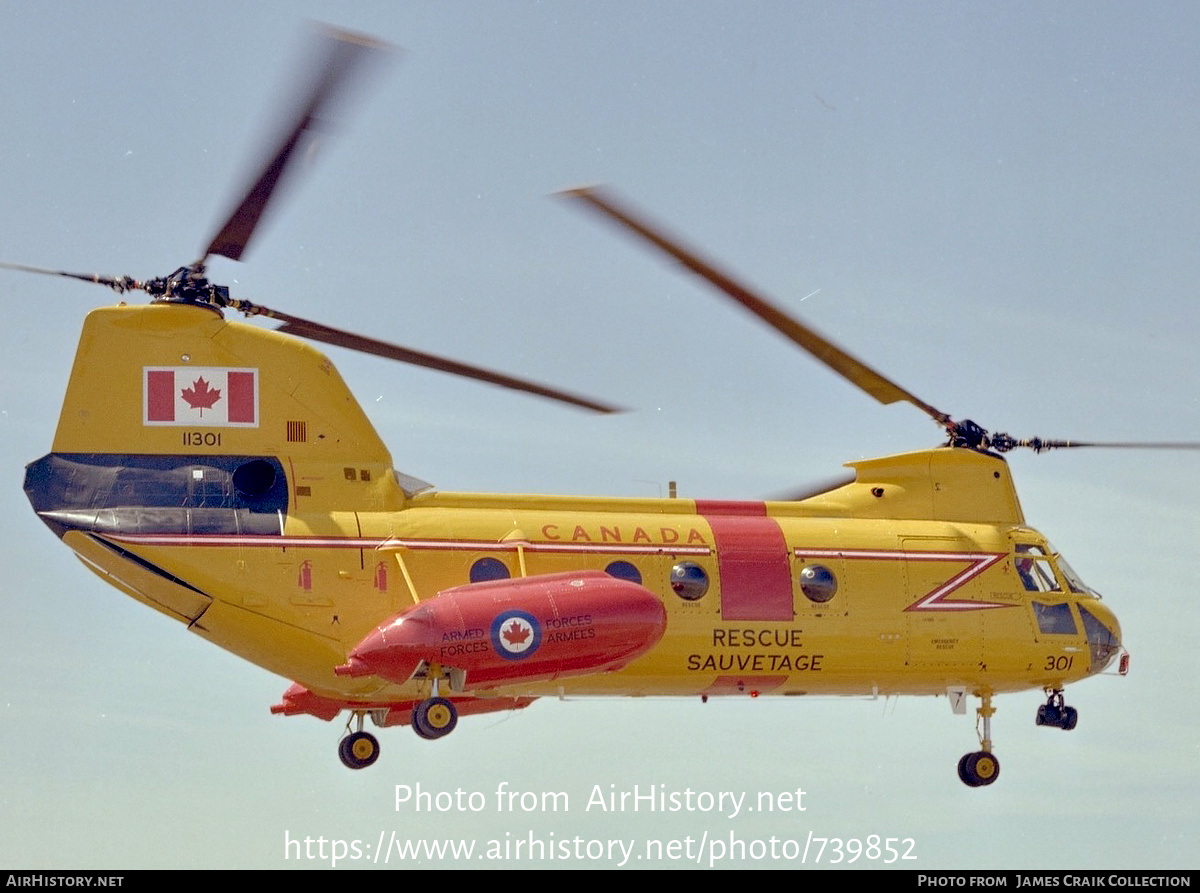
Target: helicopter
224,475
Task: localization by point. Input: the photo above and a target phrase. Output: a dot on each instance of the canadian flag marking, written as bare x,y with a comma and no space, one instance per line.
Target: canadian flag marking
212,396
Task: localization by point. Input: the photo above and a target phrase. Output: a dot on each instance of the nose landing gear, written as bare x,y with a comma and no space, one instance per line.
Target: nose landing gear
1055,713
981,768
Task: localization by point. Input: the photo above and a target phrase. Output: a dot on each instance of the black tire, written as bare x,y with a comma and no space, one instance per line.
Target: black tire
962,771
979,769
358,751
434,718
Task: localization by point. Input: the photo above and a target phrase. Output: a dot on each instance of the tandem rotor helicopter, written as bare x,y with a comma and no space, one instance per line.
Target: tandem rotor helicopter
223,474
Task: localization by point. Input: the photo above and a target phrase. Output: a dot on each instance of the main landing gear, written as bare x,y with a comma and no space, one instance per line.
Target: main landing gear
981,768
432,718
1055,713
358,749
435,717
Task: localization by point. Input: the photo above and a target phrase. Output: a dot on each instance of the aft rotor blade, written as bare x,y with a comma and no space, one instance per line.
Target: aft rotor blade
294,325
344,54
815,488
118,284
853,370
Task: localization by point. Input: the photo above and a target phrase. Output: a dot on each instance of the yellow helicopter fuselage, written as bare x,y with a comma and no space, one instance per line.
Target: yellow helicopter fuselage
278,529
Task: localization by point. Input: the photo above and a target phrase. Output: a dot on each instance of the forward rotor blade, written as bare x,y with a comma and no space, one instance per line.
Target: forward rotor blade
1039,446
344,54
294,325
856,372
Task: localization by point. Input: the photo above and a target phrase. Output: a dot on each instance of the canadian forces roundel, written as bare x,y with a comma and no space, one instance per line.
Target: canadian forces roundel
516,634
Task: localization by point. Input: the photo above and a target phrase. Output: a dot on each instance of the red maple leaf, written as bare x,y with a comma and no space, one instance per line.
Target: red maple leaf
200,396
515,634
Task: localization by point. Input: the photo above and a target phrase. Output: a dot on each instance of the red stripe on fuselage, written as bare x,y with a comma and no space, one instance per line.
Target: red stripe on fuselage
752,558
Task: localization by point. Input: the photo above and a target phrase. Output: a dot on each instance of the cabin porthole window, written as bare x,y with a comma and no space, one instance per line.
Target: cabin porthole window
623,570
489,569
689,580
818,583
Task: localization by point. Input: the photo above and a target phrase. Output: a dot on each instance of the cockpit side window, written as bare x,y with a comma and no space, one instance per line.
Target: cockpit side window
1035,570
1054,620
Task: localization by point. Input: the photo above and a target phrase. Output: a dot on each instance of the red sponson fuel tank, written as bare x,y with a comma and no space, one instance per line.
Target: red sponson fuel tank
535,628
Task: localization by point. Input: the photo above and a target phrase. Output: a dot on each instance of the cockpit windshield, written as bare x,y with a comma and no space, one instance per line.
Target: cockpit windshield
1072,578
